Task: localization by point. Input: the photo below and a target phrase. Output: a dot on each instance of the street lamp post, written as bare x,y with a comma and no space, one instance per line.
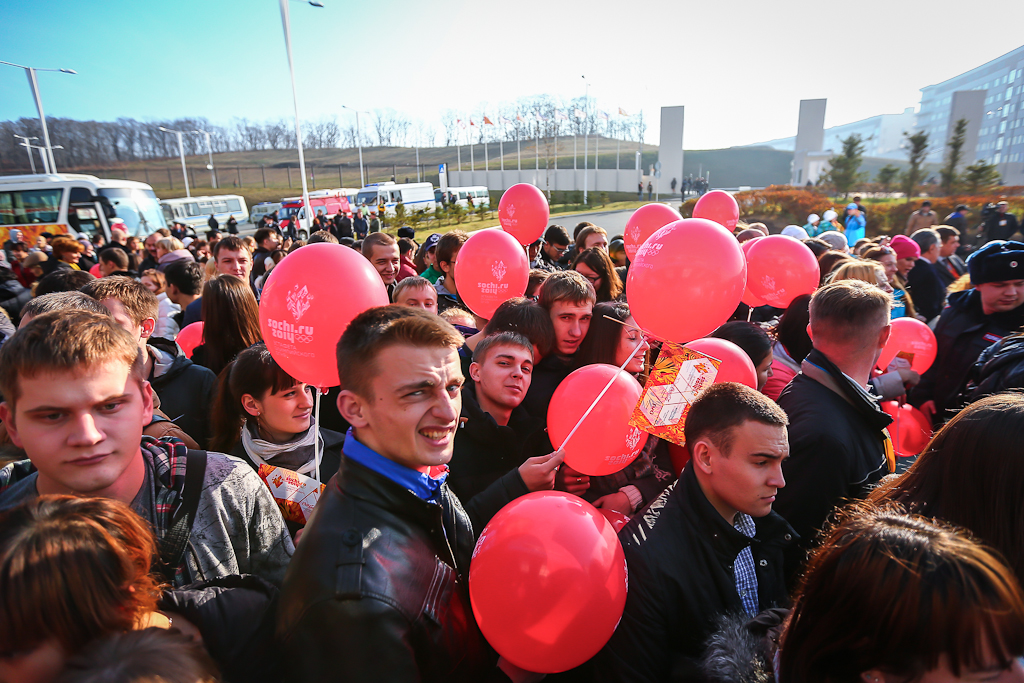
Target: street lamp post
25,143
209,152
286,25
34,85
586,136
181,153
42,152
359,143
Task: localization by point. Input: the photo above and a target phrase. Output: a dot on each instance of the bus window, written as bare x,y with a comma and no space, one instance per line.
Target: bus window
168,213
30,206
193,209
80,195
234,205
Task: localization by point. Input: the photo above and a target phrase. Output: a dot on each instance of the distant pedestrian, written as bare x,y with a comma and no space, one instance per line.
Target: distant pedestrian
232,225
674,186
214,225
958,219
650,190
640,190
375,223
922,218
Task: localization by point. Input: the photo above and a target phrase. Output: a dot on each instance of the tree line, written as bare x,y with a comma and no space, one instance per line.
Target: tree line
125,140
844,172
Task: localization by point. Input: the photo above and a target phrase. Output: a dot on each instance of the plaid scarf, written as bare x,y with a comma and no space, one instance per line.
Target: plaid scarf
166,458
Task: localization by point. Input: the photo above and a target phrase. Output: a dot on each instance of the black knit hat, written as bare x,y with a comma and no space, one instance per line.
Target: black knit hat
997,261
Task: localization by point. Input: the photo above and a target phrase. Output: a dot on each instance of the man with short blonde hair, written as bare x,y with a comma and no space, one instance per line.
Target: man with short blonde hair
837,433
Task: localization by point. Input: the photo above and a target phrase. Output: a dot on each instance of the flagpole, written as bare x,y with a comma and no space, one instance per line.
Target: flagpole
556,140
472,165
501,150
487,161
519,151
536,146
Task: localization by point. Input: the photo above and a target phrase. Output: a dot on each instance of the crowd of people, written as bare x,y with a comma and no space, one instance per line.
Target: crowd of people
141,540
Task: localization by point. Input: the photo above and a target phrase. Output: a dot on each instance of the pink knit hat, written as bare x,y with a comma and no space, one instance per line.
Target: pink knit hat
905,247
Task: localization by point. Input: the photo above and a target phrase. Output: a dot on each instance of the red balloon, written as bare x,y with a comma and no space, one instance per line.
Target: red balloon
911,430
911,337
615,518
310,298
720,207
680,455
646,221
748,297
736,364
781,268
190,337
548,581
686,280
605,442
491,269
523,212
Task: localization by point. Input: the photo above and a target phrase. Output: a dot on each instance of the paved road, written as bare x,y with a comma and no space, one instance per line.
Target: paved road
612,221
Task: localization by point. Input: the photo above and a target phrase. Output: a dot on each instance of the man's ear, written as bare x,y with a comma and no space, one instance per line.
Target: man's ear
444,266
883,336
147,403
148,326
700,453
352,407
7,417
474,371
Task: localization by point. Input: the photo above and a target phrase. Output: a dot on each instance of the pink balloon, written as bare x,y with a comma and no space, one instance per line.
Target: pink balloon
615,518
911,430
736,364
720,207
95,271
190,337
523,212
491,269
605,442
686,280
748,297
781,268
548,581
310,298
913,337
646,221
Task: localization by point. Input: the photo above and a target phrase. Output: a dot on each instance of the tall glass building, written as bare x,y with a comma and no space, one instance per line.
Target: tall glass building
994,111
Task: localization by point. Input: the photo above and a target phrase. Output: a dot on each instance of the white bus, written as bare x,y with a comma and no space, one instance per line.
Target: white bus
195,211
478,193
263,209
75,204
414,196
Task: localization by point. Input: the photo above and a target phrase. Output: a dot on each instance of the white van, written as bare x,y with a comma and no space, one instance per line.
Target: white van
414,196
263,209
478,193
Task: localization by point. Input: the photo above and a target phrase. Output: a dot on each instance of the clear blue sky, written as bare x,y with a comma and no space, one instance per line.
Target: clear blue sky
739,67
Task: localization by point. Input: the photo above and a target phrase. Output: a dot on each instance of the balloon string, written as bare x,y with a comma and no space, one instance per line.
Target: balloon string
316,437
750,312
603,391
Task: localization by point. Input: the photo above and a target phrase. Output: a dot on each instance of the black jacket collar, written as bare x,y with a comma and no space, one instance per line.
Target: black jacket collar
818,367
726,540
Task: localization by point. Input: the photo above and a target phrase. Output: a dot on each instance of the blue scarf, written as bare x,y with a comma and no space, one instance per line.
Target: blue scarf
420,484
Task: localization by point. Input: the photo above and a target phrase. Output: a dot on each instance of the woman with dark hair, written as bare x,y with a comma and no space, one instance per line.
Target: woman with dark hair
231,322
972,475
754,341
792,344
71,570
612,341
894,598
263,415
595,265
